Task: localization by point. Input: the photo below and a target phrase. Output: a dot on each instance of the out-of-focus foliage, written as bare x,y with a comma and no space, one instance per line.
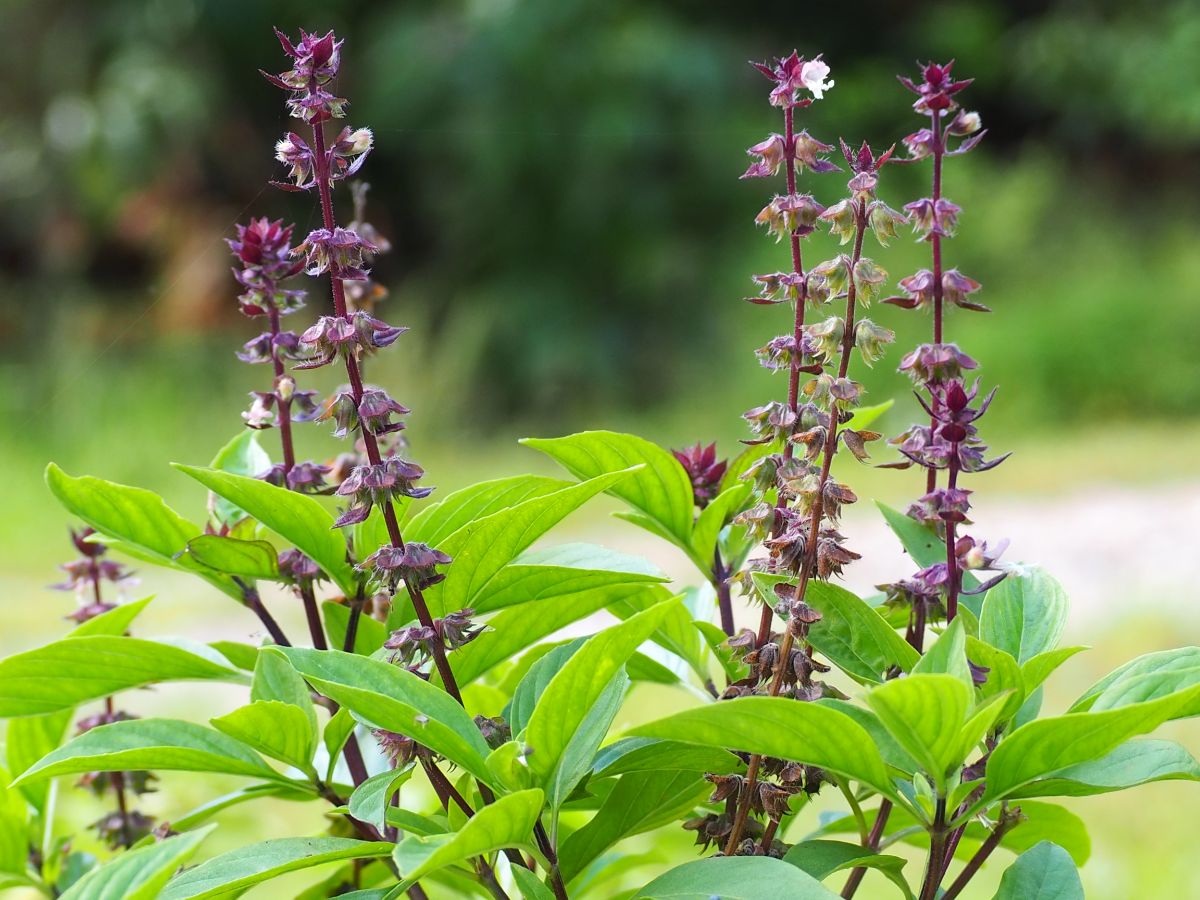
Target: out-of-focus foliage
559,179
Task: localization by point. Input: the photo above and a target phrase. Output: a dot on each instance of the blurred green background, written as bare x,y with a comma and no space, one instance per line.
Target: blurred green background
571,243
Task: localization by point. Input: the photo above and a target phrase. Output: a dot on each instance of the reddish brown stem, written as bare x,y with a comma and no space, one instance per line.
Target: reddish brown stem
809,561
369,440
935,240
285,405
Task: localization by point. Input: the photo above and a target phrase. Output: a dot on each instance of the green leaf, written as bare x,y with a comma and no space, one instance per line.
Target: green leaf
138,874
1148,677
1049,822
508,822
641,801
369,801
1045,872
137,744
1004,676
1130,764
278,729
1038,668
947,656
710,522
807,732
275,679
14,830
926,714
243,455
252,560
27,740
231,873
438,521
297,518
1048,745
136,518
662,490
567,699
530,885
68,672
1024,615
820,859
385,696
114,622
481,549
556,572
512,630
533,683
638,754
854,636
735,878
676,633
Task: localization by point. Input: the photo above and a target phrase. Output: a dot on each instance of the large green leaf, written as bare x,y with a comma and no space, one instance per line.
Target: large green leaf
138,874
854,636
710,522
369,801
250,560
28,739
570,694
735,878
661,490
68,672
1004,676
1130,764
1025,614
639,754
1048,822
509,822
297,518
512,630
394,699
137,744
482,548
243,455
676,632
138,519
1146,678
640,802
276,679
1045,872
280,730
115,621
821,858
554,572
544,661
807,732
438,521
925,714
231,873
14,830
1048,745
948,655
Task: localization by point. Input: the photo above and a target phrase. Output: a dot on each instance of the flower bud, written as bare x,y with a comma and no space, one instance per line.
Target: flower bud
836,273
965,123
868,279
843,220
871,340
883,220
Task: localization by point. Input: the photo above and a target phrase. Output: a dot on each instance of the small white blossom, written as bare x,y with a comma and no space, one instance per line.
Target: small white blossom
813,75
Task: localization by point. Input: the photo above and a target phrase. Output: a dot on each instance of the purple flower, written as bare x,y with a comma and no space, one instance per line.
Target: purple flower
936,88
792,74
936,363
369,485
332,336
929,217
338,251
264,249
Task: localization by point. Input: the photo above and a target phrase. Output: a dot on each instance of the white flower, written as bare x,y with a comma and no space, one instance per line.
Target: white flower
813,75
